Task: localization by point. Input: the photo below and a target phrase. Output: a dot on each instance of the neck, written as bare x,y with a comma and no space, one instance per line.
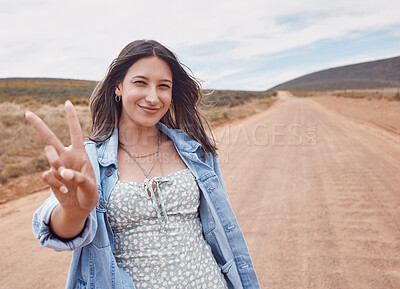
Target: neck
141,136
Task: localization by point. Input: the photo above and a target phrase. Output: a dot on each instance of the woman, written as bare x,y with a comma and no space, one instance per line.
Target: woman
142,204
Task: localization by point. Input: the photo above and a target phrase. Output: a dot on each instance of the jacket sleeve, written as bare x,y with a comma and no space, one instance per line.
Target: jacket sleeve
217,171
240,249
41,229
41,221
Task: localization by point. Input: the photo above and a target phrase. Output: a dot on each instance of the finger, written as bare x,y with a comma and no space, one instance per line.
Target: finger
77,178
50,178
53,157
74,125
45,132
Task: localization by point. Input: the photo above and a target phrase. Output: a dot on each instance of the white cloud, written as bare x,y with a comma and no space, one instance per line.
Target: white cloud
337,23
78,39
264,80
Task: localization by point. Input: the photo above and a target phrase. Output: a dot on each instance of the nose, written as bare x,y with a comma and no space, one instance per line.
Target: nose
152,96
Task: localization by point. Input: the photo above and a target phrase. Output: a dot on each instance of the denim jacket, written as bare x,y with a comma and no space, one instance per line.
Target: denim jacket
93,264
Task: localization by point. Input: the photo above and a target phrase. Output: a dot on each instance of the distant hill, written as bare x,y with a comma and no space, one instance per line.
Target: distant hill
45,90
53,91
373,74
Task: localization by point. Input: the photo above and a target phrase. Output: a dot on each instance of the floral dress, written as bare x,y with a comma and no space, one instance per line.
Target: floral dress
158,237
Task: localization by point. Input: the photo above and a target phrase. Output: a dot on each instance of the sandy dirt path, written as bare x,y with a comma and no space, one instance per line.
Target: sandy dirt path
381,113
316,193
24,263
319,200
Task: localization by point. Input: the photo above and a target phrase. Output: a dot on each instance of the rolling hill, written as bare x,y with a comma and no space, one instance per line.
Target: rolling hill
373,74
55,91
45,90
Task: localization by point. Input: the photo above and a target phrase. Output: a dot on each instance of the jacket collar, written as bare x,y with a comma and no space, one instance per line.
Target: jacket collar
107,150
182,141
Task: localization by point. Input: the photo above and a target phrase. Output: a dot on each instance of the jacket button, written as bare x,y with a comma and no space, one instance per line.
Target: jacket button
108,172
101,204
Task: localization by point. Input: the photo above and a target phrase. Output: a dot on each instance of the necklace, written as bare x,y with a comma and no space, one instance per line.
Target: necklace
136,156
146,174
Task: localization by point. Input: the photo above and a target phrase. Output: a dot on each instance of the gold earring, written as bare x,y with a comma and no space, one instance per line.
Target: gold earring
117,98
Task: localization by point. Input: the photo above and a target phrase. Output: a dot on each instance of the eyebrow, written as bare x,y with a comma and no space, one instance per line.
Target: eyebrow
144,77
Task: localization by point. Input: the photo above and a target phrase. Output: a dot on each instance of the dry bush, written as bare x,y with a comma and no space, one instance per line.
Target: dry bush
389,93
21,148
11,120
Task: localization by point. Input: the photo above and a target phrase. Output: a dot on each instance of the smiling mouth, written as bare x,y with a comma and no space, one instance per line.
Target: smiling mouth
150,109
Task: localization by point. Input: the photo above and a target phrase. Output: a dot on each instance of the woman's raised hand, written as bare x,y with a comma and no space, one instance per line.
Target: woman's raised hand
71,175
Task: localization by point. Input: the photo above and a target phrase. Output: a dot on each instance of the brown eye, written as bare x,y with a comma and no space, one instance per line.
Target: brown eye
140,82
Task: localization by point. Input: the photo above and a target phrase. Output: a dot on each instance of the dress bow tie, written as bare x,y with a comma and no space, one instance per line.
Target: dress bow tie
152,188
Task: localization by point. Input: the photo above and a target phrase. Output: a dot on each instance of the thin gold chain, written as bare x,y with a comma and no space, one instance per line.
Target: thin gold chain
146,174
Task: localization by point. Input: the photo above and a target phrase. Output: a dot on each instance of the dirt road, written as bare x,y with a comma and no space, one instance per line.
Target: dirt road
316,193
319,203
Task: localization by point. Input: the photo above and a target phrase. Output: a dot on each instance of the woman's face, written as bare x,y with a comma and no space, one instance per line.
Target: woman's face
146,92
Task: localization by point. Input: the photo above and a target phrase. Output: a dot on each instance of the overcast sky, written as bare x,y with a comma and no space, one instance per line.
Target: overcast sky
247,44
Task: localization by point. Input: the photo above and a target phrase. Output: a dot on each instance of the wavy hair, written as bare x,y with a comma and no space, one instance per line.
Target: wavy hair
186,95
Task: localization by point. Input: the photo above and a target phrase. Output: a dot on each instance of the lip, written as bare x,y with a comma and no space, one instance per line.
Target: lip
149,109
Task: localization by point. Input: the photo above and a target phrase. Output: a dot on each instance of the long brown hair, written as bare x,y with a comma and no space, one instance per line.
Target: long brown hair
186,95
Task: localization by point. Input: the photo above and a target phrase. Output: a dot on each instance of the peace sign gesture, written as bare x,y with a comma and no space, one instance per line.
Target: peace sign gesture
70,177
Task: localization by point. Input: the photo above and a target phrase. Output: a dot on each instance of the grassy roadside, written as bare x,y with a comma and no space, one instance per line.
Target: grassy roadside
21,149
389,93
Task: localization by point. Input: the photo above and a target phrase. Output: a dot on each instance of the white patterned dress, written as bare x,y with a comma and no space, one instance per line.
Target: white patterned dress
158,239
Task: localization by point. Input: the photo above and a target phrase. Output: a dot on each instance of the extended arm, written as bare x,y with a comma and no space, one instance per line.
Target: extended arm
70,177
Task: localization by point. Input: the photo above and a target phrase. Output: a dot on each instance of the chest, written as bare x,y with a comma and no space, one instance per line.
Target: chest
137,169
173,198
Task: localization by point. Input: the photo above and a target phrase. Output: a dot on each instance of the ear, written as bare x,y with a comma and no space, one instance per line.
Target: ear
118,89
